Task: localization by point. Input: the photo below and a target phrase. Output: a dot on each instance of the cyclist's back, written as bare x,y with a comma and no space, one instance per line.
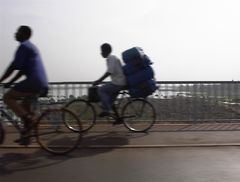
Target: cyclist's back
29,61
32,66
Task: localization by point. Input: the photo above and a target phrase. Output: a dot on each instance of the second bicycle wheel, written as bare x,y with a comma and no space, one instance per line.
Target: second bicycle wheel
52,133
139,115
84,111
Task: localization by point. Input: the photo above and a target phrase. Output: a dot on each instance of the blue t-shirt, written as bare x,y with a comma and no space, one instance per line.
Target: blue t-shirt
27,59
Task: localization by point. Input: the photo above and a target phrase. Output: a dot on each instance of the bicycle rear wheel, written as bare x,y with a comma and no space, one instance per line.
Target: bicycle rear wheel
84,111
139,115
52,133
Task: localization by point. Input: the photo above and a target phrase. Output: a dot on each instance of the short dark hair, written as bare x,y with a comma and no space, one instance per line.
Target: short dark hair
26,30
106,47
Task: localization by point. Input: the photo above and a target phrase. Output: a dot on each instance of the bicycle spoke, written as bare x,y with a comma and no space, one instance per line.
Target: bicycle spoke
139,115
84,111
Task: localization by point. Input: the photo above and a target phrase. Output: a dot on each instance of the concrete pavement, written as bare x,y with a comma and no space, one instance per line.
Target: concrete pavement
113,154
107,136
175,164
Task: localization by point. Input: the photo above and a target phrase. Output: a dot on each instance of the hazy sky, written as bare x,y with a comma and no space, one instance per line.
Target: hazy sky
186,39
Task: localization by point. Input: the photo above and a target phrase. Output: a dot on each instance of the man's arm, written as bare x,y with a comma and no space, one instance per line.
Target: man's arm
101,78
15,78
7,73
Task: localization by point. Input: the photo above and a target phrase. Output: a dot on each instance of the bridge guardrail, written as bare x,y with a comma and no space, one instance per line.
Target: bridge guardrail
175,101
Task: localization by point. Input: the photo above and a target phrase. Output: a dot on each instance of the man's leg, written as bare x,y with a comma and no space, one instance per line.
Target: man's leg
15,101
11,98
107,92
104,94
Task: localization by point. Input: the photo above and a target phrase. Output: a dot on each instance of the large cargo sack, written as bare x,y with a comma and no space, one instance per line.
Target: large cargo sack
136,64
131,54
138,72
140,76
143,89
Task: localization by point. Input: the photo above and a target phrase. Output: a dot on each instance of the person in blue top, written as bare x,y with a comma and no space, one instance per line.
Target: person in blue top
28,63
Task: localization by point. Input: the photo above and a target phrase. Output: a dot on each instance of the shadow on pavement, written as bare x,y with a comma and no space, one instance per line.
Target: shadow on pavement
14,160
112,138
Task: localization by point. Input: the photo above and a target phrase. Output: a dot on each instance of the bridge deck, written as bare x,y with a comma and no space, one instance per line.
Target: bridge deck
161,135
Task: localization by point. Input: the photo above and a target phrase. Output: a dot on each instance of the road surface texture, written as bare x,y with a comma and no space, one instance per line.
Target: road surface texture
112,154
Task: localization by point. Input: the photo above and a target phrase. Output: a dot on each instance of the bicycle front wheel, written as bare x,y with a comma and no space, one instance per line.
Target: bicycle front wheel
52,133
84,111
139,115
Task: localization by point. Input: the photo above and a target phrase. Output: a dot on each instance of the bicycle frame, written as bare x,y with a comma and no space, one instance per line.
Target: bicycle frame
18,124
125,109
5,114
123,94
48,129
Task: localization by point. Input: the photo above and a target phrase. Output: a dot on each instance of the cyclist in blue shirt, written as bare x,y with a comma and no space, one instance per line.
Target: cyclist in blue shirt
28,63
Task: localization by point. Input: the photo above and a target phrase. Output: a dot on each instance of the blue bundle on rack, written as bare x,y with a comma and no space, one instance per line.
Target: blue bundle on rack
138,72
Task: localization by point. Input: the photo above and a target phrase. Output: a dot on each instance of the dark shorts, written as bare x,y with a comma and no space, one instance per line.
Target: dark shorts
29,86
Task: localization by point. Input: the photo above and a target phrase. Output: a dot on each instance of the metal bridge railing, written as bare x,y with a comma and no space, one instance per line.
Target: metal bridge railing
197,101
175,101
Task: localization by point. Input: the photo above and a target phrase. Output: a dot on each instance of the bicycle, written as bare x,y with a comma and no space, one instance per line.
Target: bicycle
49,129
137,114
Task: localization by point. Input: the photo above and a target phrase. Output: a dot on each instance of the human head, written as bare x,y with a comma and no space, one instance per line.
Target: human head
23,33
106,49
